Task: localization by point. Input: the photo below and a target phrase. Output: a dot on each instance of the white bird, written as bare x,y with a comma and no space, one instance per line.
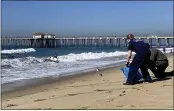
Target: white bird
98,70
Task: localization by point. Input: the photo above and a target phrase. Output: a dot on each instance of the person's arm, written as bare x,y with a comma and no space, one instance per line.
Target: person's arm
129,56
151,65
130,48
153,55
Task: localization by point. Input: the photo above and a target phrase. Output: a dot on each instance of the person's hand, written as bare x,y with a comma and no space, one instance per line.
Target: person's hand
130,61
127,63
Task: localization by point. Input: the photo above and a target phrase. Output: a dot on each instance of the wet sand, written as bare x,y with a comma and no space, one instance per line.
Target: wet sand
91,91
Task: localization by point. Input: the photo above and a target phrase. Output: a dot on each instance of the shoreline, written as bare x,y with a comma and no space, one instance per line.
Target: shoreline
45,82
26,83
16,86
34,82
91,91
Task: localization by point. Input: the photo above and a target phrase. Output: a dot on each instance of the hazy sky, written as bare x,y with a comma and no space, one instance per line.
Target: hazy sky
87,18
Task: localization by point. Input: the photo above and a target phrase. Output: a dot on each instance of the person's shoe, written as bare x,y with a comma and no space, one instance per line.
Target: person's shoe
149,81
128,83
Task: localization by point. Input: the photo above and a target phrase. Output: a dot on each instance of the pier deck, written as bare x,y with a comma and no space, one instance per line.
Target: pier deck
24,42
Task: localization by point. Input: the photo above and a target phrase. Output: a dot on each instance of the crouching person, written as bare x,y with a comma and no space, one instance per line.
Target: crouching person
158,63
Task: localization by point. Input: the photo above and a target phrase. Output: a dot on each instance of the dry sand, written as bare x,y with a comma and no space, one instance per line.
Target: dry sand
91,91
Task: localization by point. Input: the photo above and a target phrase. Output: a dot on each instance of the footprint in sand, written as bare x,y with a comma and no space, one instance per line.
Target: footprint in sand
165,85
56,88
122,94
10,105
74,94
136,88
109,91
53,95
84,107
123,91
99,90
7,100
119,105
131,106
37,100
110,100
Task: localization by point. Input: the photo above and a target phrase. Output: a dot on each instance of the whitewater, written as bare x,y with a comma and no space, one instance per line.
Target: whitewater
31,66
19,51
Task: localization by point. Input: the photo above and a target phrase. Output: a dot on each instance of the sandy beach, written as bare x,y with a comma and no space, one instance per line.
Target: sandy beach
90,91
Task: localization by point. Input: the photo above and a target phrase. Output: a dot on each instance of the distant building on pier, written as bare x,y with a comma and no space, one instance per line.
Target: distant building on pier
48,35
38,35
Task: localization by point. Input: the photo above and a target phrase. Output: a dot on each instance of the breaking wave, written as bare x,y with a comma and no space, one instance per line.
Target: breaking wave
19,51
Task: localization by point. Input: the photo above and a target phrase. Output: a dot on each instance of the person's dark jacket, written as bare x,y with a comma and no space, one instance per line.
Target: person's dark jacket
158,58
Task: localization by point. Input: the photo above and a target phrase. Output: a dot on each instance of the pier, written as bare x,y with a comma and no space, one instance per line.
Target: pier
18,42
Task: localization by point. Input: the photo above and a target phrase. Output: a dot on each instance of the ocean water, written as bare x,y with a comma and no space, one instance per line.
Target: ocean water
29,63
17,64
